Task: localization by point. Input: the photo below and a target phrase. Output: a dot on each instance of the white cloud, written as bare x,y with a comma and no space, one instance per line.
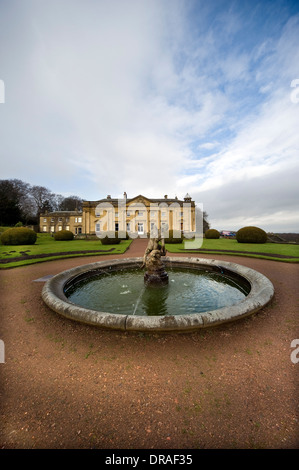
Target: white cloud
149,97
260,164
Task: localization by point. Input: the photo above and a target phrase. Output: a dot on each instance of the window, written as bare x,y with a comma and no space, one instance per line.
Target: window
116,214
59,228
59,219
44,228
116,226
98,227
80,219
140,213
45,220
67,227
52,220
128,227
128,213
79,230
52,228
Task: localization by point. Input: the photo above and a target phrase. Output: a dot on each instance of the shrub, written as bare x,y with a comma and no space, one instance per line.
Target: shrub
212,234
111,240
19,224
172,239
18,236
251,235
64,235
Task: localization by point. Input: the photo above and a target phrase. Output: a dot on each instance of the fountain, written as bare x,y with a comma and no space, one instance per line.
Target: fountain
193,293
155,271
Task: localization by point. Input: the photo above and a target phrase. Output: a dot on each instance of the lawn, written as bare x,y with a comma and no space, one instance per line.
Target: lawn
275,251
46,245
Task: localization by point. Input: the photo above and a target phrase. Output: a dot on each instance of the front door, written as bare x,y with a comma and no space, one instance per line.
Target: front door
140,228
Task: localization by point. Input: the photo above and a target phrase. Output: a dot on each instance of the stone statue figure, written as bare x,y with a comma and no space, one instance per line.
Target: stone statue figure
155,272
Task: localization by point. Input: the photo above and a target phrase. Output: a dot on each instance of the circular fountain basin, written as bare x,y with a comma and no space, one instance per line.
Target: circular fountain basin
200,293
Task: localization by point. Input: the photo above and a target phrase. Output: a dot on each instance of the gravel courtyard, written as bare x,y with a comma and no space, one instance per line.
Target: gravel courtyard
69,385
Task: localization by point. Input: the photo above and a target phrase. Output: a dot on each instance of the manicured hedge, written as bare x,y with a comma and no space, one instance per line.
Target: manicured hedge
64,235
111,239
212,234
171,238
18,236
251,235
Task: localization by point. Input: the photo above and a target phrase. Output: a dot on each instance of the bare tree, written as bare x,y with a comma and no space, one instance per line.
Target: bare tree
204,215
21,202
44,199
71,203
206,224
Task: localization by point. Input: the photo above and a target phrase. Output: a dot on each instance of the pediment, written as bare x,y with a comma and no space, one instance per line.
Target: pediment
140,199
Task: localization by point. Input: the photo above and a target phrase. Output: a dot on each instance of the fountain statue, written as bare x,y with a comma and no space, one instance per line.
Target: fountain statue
155,272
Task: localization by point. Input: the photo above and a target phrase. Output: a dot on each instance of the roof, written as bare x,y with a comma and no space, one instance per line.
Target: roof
115,201
61,213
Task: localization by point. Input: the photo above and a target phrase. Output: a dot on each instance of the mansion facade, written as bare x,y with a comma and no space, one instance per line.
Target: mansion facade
136,216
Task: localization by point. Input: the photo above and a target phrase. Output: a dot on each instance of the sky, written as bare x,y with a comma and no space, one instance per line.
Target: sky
156,97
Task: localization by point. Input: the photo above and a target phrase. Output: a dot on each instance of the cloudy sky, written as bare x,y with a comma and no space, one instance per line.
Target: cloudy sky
156,97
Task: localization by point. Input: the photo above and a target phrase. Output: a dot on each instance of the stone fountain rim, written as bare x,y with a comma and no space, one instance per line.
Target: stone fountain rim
260,294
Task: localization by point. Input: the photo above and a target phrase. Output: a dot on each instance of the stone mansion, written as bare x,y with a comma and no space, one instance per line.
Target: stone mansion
136,216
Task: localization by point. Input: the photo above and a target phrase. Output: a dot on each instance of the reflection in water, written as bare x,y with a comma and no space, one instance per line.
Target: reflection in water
154,300
188,292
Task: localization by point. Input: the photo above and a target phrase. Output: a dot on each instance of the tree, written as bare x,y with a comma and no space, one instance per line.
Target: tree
21,202
206,224
71,203
44,199
198,214
58,199
16,204
10,212
25,201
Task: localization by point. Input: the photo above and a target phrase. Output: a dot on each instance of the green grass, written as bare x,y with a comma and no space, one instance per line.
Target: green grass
264,250
45,244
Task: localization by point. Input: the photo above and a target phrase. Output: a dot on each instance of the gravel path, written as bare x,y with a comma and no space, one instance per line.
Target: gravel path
68,385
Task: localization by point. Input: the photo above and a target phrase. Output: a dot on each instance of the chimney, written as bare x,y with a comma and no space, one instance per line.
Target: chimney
165,197
125,195
109,196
